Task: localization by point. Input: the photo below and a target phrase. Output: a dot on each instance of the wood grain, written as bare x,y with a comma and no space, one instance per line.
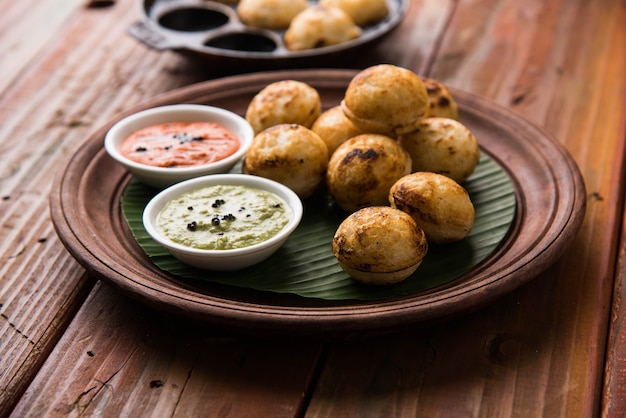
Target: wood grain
140,362
30,28
559,64
538,351
72,74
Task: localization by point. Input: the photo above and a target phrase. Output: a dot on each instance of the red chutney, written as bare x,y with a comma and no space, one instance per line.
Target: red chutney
180,144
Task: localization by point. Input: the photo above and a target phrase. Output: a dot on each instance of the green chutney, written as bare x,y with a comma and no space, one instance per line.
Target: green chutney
223,217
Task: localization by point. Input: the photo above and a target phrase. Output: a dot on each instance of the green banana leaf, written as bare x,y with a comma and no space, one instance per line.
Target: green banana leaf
306,266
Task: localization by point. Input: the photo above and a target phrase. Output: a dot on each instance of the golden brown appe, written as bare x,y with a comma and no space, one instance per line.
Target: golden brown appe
320,26
379,245
441,103
334,128
362,12
443,146
285,101
438,204
362,170
385,99
289,154
270,14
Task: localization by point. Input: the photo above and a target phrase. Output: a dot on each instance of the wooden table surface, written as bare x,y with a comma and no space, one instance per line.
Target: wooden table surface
74,346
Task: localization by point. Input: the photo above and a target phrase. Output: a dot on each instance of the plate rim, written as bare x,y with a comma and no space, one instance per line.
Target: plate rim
340,319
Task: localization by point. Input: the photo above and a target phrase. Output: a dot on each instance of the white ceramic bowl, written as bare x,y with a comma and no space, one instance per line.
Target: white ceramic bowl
224,260
161,177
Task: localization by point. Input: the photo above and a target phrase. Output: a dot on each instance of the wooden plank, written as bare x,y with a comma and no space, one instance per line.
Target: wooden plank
539,351
424,25
614,399
27,28
535,353
81,73
120,358
614,396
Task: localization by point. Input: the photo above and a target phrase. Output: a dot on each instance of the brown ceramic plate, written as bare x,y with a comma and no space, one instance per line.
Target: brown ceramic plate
550,194
211,32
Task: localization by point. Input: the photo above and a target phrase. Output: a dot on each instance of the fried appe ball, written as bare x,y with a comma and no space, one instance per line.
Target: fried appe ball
320,26
385,99
285,101
362,12
438,204
362,170
289,154
443,146
334,128
270,14
379,245
441,103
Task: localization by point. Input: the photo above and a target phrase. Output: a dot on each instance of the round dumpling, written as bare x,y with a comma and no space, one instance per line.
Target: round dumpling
285,101
379,245
385,99
289,154
438,204
363,169
334,128
443,146
362,12
319,26
270,14
441,102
